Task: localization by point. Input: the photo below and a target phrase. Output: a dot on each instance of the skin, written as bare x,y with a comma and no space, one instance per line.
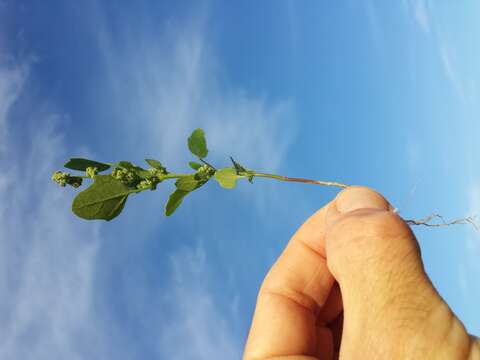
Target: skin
351,284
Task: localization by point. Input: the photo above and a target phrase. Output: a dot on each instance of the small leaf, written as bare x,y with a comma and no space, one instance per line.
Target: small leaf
104,199
194,165
174,201
227,177
154,164
125,164
82,164
197,143
188,183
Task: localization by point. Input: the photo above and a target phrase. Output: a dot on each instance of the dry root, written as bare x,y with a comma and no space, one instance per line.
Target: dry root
437,220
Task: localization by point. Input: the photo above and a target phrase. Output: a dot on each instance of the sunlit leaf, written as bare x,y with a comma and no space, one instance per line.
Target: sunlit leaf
104,199
198,144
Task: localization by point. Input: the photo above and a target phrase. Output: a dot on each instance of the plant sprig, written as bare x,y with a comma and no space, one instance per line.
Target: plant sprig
105,198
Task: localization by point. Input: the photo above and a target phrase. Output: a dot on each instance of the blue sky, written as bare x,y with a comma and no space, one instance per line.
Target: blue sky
370,93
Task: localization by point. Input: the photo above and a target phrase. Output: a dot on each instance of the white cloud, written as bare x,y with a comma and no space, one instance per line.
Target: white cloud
374,24
421,15
450,71
177,85
420,11
11,80
196,328
47,260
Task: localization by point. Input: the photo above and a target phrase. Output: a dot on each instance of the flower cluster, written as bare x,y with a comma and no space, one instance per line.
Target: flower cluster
63,179
149,183
205,172
158,173
126,176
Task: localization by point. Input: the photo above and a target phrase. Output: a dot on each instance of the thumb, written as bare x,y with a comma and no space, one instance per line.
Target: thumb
368,246
374,256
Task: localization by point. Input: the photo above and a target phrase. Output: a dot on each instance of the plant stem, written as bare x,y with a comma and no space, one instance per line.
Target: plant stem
302,180
174,176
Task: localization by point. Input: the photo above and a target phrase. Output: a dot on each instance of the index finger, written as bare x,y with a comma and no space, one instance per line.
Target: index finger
292,295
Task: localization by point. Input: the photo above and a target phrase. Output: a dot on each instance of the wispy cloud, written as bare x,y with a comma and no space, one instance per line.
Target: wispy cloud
178,84
374,24
11,80
421,13
450,71
196,328
47,260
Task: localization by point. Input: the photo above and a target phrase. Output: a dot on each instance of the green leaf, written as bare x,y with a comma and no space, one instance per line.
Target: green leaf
125,164
174,201
197,143
227,177
194,165
82,164
188,183
104,199
154,164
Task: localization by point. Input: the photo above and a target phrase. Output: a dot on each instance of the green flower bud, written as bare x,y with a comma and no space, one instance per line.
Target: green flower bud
205,172
127,177
150,183
91,172
60,178
158,172
203,169
144,184
63,179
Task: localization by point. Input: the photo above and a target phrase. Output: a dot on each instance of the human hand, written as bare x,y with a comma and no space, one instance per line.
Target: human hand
356,262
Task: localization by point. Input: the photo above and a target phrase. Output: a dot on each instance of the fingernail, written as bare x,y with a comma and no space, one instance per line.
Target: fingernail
355,198
360,197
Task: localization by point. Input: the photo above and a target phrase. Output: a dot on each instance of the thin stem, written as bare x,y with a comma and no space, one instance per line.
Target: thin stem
174,176
302,180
